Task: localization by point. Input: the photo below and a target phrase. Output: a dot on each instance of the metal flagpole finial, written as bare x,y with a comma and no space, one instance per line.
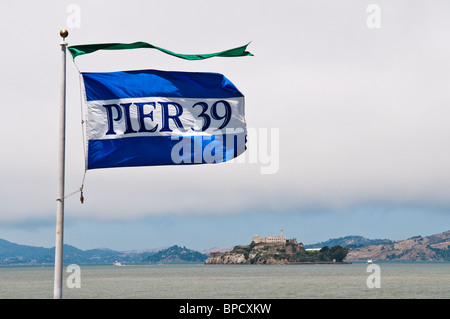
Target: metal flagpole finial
64,33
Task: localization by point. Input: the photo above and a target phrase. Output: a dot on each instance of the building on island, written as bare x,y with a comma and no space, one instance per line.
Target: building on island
215,254
273,239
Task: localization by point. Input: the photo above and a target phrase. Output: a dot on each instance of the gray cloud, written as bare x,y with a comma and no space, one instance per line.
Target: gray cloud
362,112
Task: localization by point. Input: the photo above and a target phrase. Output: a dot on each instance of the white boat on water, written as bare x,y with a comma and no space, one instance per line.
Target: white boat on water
117,263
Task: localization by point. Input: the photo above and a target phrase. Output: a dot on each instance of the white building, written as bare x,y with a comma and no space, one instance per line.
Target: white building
270,240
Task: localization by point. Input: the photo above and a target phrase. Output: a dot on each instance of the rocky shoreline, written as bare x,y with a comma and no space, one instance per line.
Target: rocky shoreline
288,263
277,254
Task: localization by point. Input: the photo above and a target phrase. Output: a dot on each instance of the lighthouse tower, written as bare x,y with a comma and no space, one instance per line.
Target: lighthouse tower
282,238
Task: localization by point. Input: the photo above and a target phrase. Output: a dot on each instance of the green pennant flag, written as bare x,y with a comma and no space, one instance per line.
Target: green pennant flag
77,50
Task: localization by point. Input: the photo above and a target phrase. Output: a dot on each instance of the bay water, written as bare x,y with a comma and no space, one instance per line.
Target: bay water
196,281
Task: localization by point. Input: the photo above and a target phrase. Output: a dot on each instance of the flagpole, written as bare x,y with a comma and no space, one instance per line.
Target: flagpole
59,242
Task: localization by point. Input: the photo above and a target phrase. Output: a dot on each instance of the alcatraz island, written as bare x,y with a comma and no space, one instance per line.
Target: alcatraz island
277,250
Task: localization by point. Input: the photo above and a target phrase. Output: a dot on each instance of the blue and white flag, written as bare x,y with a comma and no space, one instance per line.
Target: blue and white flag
151,117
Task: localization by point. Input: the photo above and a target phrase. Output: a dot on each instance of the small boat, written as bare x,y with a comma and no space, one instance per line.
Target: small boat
117,263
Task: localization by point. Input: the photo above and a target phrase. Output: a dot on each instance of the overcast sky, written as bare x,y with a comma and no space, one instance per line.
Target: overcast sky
362,114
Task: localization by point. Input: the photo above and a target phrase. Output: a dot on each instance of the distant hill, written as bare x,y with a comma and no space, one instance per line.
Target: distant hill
176,254
350,242
15,254
11,253
417,248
